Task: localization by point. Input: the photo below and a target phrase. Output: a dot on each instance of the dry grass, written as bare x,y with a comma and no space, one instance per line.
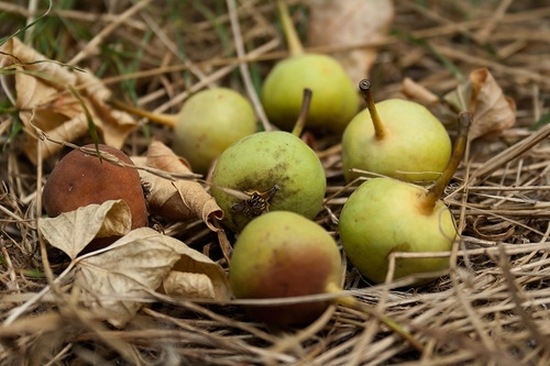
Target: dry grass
490,309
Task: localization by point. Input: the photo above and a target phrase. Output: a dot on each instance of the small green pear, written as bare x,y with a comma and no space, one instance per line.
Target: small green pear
336,100
385,215
209,122
396,138
283,254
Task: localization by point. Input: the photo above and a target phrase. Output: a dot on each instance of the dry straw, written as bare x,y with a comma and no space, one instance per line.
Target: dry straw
490,308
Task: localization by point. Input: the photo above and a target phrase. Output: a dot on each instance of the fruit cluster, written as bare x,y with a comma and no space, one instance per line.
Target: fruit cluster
271,184
281,254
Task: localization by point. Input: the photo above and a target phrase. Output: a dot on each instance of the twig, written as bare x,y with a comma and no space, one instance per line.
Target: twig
87,50
243,66
515,290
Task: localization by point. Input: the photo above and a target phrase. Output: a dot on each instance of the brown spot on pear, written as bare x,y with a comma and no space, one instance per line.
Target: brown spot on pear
283,254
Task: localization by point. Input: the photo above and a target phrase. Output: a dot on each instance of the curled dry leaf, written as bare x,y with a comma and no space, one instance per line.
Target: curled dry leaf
115,282
72,231
178,199
54,98
350,23
493,112
196,276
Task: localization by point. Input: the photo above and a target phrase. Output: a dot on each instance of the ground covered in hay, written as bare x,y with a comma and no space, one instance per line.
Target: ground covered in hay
490,308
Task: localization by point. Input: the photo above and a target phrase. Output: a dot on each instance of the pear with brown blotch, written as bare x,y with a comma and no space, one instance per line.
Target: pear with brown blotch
283,254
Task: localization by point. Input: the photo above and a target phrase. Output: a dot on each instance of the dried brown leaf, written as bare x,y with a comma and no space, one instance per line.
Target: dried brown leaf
178,199
72,231
162,157
115,282
189,285
492,111
341,23
46,100
196,276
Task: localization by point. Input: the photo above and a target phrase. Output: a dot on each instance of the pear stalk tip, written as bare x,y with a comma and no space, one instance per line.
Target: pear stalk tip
365,87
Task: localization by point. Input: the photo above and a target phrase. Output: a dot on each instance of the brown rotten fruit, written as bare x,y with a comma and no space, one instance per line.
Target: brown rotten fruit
81,179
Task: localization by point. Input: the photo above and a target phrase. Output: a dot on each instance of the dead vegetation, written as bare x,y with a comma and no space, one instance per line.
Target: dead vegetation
489,309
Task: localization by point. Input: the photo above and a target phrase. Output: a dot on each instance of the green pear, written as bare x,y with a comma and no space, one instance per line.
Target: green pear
336,100
283,254
396,138
209,122
385,215
268,171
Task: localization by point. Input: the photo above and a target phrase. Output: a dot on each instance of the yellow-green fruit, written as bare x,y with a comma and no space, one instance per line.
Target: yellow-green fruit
209,122
385,215
335,100
415,148
283,254
277,165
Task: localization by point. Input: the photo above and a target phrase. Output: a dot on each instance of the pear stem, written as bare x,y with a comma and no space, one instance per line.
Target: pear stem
365,87
459,147
304,111
295,47
160,118
352,303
